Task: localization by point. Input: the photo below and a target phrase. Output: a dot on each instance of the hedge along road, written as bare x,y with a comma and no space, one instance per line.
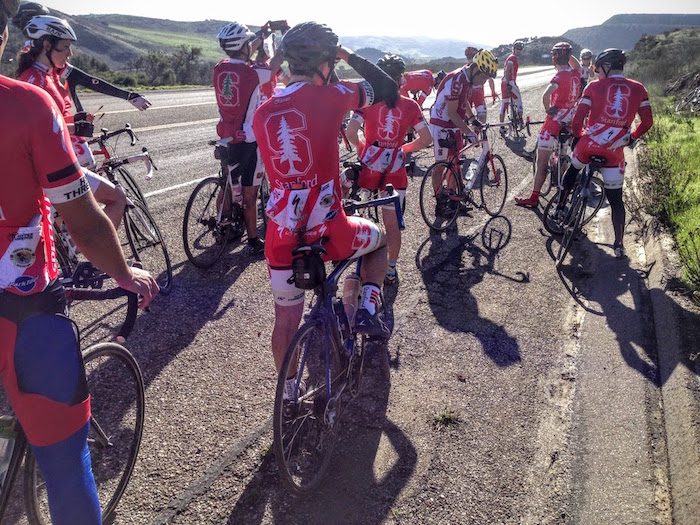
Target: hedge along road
549,379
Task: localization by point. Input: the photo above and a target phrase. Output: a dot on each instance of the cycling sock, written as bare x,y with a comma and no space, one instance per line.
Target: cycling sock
617,209
370,297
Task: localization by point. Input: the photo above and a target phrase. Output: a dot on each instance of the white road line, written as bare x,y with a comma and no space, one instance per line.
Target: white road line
115,112
178,125
171,188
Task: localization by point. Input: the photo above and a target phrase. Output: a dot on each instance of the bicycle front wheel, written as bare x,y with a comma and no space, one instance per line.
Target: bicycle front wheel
494,185
147,244
306,424
129,184
551,222
117,402
439,196
203,235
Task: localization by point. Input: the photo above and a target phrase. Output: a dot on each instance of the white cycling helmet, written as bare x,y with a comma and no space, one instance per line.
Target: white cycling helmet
586,53
45,25
234,36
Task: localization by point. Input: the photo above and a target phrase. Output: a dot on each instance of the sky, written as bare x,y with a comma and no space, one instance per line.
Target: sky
504,22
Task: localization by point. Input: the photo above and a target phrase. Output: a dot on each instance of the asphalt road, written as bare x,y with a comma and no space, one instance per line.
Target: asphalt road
552,376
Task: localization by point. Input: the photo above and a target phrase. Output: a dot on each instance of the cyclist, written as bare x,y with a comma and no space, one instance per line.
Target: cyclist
416,84
239,90
438,78
40,360
509,87
383,153
451,114
559,101
298,129
43,63
611,104
587,72
477,100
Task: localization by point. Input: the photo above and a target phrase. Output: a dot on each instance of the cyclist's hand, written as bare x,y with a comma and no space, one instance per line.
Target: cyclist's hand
239,136
139,102
475,123
143,284
552,111
622,141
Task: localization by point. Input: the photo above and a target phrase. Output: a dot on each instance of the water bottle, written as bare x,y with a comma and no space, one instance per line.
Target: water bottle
351,296
470,172
8,434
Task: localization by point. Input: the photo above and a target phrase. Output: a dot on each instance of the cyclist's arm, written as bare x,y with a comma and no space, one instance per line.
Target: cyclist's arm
96,238
508,73
383,86
78,77
646,120
423,140
582,110
493,89
547,95
352,132
452,107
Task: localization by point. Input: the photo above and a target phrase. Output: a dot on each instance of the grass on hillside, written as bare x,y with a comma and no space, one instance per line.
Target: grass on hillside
167,40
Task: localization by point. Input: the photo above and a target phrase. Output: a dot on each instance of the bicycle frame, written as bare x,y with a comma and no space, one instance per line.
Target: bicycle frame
486,155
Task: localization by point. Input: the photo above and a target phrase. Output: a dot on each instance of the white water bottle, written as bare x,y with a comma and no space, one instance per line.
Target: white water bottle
470,172
8,434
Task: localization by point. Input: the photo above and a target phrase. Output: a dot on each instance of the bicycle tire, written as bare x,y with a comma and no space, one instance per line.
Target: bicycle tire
515,120
550,173
494,185
117,400
550,224
147,245
571,228
429,202
203,235
303,437
129,184
595,200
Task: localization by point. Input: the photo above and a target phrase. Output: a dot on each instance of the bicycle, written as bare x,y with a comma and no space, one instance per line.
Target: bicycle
690,102
349,177
214,214
443,190
559,161
142,235
571,220
117,399
516,124
326,358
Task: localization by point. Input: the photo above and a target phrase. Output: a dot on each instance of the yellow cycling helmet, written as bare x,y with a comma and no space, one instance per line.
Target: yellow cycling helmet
486,63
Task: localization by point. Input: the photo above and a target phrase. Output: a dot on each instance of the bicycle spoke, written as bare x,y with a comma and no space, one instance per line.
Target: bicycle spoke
203,234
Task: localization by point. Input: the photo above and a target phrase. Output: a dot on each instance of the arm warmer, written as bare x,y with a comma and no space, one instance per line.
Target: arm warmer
77,77
385,89
647,120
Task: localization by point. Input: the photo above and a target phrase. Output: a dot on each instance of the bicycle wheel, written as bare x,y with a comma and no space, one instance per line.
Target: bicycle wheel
551,223
306,426
439,199
494,185
66,265
264,196
147,245
515,120
130,186
595,200
550,173
203,235
117,402
571,227
684,103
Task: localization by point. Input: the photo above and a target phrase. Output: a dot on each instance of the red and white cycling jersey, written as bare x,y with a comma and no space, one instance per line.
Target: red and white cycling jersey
237,85
455,86
49,80
613,103
385,129
44,168
266,88
297,132
565,97
420,81
512,59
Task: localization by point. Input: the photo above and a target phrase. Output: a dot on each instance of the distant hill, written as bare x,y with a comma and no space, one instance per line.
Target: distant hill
624,31
413,49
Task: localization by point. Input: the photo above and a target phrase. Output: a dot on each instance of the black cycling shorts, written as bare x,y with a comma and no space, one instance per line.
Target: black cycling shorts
245,156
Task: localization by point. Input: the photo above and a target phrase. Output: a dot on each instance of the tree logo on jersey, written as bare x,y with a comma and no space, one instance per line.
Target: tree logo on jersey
618,101
389,119
363,236
227,84
291,150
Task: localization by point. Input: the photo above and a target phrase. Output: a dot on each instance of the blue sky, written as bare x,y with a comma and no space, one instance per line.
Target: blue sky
487,23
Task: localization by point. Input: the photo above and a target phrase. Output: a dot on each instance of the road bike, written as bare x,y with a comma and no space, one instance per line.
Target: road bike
326,359
690,101
449,185
214,212
117,400
138,231
349,178
516,124
571,219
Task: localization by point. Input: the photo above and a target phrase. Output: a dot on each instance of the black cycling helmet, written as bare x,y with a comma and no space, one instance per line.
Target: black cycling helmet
438,78
27,11
308,45
8,9
561,51
392,65
612,58
518,44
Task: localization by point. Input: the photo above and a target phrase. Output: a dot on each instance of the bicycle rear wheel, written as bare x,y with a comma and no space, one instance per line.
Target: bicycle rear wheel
494,185
595,200
306,425
550,173
117,402
147,244
439,200
571,228
203,235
